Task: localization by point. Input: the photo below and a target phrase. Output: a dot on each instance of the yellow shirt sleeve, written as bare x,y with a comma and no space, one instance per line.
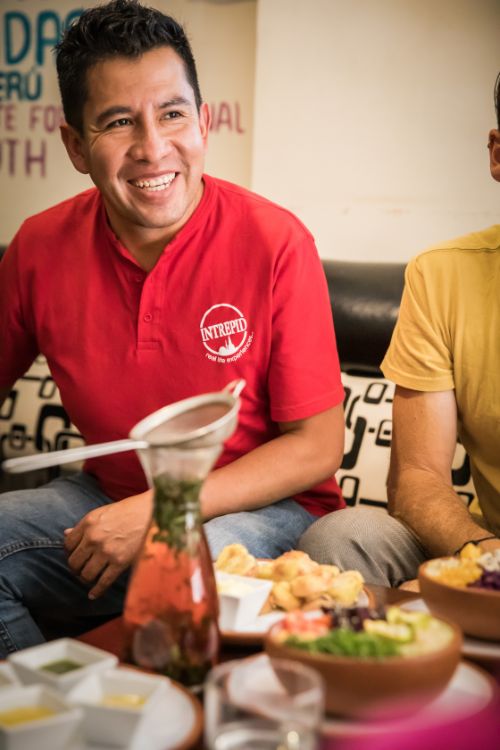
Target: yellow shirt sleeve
420,353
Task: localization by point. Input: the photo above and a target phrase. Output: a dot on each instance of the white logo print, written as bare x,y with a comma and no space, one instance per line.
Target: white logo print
224,333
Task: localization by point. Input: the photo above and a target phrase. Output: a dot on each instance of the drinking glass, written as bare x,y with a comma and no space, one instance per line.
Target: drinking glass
263,704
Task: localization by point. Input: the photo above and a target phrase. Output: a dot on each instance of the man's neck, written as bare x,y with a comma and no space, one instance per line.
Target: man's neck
147,254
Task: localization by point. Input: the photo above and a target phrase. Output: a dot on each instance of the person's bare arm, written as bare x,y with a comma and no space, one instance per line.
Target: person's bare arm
106,540
307,452
419,488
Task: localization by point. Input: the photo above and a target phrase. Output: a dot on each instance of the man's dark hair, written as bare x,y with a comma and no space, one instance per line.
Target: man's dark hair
497,99
121,28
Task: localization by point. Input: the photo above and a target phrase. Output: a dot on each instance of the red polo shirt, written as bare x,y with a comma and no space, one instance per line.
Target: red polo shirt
238,293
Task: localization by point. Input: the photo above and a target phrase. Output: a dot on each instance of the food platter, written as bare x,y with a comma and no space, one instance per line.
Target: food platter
253,633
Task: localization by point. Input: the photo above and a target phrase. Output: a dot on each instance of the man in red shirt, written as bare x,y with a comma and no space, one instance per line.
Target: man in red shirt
158,284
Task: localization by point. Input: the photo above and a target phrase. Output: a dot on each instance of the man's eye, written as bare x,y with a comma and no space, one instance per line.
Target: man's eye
120,123
172,115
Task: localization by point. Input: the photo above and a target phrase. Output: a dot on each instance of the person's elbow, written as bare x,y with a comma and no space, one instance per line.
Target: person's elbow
327,443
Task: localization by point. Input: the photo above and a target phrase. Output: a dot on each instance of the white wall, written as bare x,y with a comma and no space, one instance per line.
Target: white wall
371,120
35,172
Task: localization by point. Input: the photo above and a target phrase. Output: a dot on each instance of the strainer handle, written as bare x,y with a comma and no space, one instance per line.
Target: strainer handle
235,387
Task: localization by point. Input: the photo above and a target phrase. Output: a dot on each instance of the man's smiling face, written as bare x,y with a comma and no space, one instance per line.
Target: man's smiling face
143,143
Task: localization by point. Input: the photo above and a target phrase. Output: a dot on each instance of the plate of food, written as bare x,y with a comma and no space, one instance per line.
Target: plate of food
289,583
465,588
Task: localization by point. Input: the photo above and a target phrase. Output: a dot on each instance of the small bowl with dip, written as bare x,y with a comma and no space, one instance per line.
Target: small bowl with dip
117,703
37,717
59,664
241,599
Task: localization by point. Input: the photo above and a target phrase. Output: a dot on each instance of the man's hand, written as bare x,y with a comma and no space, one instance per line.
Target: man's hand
104,543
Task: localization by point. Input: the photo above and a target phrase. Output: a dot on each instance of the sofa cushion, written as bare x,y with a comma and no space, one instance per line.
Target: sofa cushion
362,476
32,418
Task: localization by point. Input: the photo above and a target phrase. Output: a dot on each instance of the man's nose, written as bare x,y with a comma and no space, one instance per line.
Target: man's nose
150,144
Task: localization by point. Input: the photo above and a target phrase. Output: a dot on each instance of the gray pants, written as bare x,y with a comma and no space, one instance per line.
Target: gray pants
365,539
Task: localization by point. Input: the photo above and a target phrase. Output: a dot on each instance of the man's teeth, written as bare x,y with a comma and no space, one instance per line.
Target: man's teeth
159,183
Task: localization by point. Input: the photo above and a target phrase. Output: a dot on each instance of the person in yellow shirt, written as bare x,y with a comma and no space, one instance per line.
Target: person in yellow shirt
444,357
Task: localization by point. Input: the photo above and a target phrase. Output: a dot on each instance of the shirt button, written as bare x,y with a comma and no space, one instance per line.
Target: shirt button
148,318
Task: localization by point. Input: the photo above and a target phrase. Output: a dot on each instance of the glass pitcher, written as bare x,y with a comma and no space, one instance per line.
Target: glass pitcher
171,608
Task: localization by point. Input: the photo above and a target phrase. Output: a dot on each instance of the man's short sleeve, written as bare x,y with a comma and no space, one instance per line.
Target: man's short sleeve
304,375
18,347
419,355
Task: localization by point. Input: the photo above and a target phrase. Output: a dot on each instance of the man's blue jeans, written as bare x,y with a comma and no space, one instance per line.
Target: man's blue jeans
39,594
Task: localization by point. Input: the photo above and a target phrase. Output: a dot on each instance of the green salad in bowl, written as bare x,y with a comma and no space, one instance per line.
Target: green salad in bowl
373,662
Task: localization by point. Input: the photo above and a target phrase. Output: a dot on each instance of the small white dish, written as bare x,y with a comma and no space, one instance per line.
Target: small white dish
8,677
31,664
116,703
55,732
241,599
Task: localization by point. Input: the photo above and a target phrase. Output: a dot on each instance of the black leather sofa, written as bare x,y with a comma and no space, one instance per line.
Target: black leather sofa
365,301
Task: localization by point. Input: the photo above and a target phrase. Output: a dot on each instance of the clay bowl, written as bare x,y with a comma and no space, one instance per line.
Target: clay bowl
476,611
377,688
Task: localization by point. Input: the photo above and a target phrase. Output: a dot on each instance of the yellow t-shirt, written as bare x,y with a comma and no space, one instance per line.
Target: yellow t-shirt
448,336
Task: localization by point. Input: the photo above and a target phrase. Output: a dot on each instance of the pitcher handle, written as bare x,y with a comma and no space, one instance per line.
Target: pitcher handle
235,387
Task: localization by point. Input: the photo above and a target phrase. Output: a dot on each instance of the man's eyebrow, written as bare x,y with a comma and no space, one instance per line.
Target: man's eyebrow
119,109
175,102
104,116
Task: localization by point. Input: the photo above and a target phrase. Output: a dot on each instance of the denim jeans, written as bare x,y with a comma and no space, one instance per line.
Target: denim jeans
39,595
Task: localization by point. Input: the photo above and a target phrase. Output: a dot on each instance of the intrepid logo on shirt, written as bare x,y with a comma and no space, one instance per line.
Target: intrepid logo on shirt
224,333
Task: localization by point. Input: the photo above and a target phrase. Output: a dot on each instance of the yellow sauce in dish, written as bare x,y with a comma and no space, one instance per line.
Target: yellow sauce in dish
123,700
23,714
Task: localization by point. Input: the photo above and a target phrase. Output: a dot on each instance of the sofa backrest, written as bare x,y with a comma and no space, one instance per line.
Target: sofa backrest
365,300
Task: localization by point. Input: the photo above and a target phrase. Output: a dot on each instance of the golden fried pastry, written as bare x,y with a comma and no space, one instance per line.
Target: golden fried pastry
346,587
236,559
328,571
281,596
299,582
309,586
292,564
265,569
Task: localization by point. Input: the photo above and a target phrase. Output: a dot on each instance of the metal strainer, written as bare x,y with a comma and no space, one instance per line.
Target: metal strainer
196,422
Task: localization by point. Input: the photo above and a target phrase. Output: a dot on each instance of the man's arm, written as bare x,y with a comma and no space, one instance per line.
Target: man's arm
106,540
307,452
419,486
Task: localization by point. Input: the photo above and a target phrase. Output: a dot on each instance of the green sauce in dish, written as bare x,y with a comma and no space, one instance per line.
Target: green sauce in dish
61,666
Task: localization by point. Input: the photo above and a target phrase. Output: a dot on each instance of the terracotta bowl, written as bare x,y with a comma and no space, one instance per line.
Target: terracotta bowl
381,688
476,611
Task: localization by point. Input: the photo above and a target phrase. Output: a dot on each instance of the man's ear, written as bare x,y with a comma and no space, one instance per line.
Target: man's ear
494,148
205,119
74,145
